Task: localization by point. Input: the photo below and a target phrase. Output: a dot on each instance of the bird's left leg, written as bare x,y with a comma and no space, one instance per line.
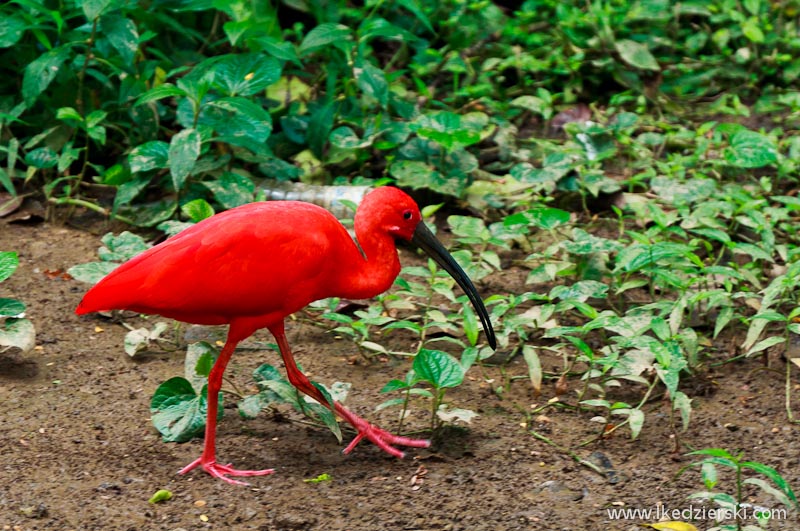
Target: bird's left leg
208,459
381,438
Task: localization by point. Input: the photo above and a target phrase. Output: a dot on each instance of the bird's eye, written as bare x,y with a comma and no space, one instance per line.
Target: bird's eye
407,214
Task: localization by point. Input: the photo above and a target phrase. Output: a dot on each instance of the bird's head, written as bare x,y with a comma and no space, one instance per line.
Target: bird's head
396,213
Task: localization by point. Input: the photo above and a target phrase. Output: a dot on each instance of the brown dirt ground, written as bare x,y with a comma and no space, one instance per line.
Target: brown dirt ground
78,452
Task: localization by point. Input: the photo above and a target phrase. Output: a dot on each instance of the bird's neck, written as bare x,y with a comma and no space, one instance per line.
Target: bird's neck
375,271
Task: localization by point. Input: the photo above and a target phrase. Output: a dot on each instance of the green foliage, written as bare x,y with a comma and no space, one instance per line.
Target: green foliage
737,506
16,332
160,106
179,405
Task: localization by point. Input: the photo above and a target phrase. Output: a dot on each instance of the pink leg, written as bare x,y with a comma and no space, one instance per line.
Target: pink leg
381,438
208,458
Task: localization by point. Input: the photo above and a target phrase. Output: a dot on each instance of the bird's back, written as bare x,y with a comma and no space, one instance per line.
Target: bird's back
262,259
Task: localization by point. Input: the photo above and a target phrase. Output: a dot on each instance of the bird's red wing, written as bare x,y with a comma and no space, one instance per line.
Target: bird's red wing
257,260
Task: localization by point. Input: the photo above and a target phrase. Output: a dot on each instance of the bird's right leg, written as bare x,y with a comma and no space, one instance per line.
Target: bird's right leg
381,438
208,458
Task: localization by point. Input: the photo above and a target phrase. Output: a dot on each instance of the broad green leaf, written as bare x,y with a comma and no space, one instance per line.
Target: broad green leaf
751,28
765,344
149,214
167,90
41,158
231,190
9,261
197,364
419,175
749,149
636,421
184,149
437,368
319,127
151,155
543,218
178,412
197,210
372,82
580,291
241,122
327,34
94,8
245,74
11,307
121,33
17,333
128,191
140,338
121,247
11,29
68,113
636,55
92,272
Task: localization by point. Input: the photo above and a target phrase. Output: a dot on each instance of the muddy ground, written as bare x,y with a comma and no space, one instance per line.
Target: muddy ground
78,452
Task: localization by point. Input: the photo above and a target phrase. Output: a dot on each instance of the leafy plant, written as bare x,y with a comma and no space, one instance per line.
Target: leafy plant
440,371
734,507
16,332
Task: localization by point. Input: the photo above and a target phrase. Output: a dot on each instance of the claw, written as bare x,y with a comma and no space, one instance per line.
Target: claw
381,438
223,471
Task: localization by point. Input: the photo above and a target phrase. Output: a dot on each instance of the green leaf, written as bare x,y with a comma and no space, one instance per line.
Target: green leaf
199,361
542,218
197,210
636,54
11,29
241,122
17,333
94,8
11,308
751,28
121,247
184,149
68,113
121,33
419,175
92,272
9,261
749,149
160,496
438,369
372,82
327,34
41,158
245,74
178,412
151,155
167,90
319,127
531,357
470,324
232,190
636,421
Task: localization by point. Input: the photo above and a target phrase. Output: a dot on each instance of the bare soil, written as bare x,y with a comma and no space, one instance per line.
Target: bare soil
78,451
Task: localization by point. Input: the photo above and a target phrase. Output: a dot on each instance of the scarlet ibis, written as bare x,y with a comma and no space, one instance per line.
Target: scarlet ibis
253,265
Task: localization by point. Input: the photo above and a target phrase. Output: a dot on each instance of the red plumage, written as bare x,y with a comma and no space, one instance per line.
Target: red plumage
252,266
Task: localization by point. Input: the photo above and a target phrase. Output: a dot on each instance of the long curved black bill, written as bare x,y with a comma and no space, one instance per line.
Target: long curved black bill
425,240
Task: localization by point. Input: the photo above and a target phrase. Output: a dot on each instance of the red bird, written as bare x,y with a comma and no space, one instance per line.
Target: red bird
252,266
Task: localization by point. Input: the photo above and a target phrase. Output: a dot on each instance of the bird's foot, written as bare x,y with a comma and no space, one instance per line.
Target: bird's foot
381,438
223,471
